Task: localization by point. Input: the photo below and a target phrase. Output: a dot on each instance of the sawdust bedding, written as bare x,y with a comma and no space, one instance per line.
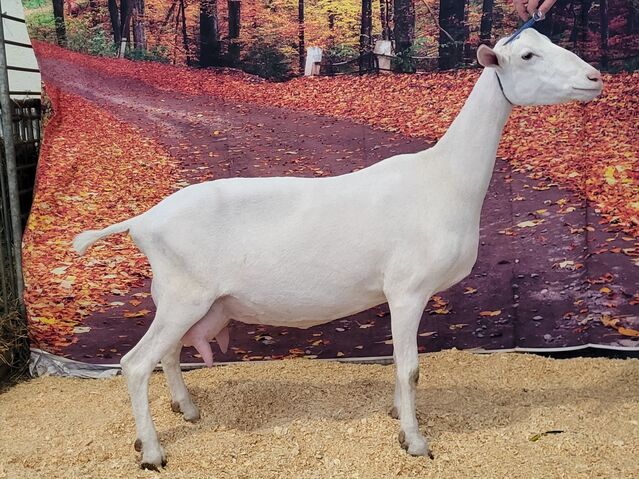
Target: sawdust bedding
484,414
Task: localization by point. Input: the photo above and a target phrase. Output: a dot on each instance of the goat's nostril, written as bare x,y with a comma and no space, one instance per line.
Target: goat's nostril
594,76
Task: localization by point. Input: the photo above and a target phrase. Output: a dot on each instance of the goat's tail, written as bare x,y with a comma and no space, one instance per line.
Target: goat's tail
84,240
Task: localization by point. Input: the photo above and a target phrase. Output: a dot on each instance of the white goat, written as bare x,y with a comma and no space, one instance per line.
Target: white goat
305,251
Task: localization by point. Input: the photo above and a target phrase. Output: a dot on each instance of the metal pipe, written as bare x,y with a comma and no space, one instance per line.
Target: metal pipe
10,157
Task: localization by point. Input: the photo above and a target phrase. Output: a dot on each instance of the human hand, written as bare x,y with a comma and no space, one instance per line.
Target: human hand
526,8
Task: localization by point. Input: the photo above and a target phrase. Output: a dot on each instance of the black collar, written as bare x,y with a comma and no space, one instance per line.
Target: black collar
501,87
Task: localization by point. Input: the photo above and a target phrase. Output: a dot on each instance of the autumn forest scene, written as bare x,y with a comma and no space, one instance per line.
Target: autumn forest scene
149,96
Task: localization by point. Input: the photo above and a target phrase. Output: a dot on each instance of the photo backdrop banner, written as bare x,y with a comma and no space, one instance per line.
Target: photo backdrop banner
558,260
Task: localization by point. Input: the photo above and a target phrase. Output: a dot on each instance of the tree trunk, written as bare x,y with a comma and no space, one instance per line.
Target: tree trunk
366,36
574,32
125,19
486,27
382,18
385,11
234,7
633,16
451,19
234,18
139,34
300,44
125,26
115,21
185,37
603,17
209,34
404,24
583,19
60,28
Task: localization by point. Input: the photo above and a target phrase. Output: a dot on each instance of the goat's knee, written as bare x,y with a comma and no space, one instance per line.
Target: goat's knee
126,364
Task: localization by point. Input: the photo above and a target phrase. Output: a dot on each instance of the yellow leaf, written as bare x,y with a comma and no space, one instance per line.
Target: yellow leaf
609,175
453,327
529,224
47,320
628,332
566,264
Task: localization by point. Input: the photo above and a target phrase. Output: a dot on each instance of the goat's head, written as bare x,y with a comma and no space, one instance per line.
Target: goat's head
534,71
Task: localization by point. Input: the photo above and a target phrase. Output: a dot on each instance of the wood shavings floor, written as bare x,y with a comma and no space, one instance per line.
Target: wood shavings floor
311,419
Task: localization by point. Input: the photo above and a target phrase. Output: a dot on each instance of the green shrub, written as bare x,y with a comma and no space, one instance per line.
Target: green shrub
101,43
158,53
627,65
268,59
340,52
403,61
31,4
14,347
631,65
81,37
41,25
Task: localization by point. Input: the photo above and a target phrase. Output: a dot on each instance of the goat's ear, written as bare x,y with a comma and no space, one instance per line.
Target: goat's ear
487,57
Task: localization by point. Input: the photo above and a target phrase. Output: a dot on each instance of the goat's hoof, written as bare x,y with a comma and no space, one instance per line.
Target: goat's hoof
401,437
137,445
153,458
152,467
189,412
394,413
149,467
415,447
192,415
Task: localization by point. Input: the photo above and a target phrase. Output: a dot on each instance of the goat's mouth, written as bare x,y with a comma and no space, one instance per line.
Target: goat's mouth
599,88
587,94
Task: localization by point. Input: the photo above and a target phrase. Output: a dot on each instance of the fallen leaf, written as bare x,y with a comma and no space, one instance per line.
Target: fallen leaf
530,224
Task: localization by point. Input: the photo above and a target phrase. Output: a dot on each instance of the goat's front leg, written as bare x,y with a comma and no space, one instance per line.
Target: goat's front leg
180,398
405,318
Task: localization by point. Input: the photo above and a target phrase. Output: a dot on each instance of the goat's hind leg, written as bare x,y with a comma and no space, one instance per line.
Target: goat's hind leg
180,398
175,315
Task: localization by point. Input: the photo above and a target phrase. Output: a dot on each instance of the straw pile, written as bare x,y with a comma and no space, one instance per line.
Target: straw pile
486,417
14,348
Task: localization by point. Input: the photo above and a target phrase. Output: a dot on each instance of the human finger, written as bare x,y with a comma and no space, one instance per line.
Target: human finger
520,6
532,6
546,6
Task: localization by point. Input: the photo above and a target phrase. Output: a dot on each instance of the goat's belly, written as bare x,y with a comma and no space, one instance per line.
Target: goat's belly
303,313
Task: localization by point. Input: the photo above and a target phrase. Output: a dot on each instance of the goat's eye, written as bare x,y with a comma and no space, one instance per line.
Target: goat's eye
528,56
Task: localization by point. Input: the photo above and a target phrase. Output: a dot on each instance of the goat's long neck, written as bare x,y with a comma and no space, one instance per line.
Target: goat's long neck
470,144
